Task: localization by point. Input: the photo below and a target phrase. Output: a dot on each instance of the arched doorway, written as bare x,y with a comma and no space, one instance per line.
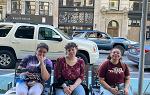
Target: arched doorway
113,28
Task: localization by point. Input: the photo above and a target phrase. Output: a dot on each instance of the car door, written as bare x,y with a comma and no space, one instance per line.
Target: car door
103,43
51,38
24,41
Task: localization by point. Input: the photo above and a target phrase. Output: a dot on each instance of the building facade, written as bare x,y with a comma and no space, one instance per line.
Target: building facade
2,9
33,11
76,15
111,16
134,22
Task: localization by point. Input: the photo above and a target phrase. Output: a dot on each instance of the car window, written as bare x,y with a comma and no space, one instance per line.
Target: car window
92,35
46,33
4,30
26,32
77,34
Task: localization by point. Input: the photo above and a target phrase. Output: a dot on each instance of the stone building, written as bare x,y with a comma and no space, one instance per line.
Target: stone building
111,16
33,11
134,22
2,9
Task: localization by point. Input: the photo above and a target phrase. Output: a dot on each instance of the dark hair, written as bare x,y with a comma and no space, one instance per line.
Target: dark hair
71,45
109,57
43,45
99,35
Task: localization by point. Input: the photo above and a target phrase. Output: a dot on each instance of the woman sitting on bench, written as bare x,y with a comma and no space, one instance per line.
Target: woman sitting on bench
38,69
114,75
69,73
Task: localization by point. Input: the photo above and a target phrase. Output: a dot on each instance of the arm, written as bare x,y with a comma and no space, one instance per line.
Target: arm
127,81
104,84
44,73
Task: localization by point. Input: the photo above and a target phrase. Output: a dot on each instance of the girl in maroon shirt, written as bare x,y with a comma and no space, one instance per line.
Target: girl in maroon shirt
69,72
114,75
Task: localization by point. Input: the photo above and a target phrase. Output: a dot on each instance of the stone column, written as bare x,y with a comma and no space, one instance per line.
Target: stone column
23,7
37,7
50,8
55,12
8,6
64,2
4,11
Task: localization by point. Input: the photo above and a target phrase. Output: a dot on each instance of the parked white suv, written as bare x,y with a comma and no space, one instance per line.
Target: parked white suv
18,40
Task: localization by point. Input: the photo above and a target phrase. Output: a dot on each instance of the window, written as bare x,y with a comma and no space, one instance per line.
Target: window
136,6
92,35
4,30
114,4
69,2
44,8
15,6
26,32
46,33
30,7
90,3
134,22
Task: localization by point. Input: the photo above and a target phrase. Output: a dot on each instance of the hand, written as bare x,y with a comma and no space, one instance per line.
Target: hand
126,91
41,59
67,90
71,87
114,91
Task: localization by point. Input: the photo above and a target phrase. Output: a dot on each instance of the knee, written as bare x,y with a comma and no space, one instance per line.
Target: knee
79,90
33,93
21,93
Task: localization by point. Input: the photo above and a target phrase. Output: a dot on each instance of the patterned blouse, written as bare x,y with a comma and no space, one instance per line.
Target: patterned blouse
31,64
62,69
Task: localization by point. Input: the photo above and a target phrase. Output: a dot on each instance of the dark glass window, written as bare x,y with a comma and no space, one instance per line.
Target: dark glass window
4,30
69,2
46,33
114,4
29,7
136,6
16,6
134,22
44,8
26,32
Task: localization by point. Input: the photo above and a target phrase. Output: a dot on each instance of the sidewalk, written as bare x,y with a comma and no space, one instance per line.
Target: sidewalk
5,79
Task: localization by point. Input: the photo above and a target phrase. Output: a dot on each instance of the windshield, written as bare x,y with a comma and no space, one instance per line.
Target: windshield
77,34
64,34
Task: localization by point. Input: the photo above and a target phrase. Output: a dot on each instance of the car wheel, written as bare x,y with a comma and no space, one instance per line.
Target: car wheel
7,59
82,56
121,48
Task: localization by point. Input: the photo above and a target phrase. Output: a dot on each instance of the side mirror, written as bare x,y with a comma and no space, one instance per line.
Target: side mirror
57,38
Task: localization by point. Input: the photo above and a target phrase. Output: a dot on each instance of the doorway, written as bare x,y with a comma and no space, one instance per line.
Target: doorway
113,28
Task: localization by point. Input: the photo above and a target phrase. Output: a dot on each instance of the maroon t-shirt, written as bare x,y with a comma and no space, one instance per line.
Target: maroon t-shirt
113,73
69,72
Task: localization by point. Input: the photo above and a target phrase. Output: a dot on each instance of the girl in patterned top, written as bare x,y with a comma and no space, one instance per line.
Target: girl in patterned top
38,69
69,72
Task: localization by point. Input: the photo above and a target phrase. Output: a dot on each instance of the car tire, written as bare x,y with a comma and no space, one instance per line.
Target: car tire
7,59
82,56
121,48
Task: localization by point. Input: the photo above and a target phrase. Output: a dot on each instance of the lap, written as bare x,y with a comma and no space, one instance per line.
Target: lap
36,89
79,90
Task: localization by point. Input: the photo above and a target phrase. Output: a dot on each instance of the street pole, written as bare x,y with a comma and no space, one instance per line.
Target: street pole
142,41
